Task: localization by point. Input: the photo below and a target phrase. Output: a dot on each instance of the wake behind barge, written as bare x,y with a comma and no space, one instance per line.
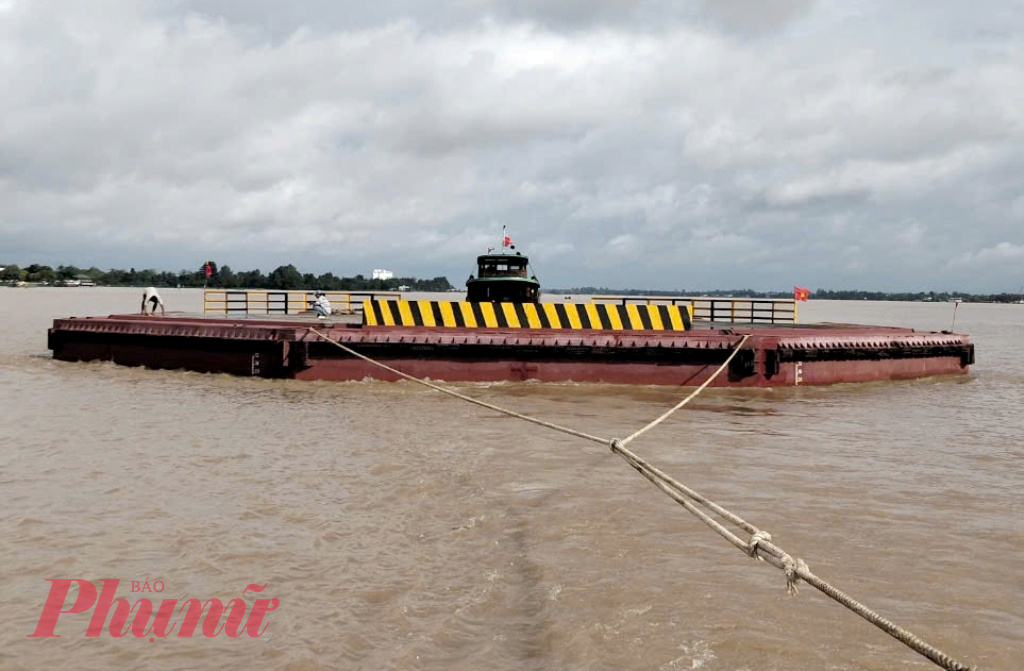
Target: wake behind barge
481,342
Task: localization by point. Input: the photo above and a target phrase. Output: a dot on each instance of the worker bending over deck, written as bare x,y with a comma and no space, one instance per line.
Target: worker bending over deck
153,298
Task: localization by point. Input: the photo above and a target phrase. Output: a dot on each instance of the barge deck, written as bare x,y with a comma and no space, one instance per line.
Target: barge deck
299,347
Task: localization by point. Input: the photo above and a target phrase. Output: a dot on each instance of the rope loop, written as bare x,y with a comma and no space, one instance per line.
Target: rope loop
755,540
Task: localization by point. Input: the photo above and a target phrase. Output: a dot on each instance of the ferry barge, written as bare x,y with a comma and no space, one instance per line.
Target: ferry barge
503,332
771,356
549,342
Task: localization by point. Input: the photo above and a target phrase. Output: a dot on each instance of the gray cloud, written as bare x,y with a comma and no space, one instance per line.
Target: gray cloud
276,18
728,144
751,16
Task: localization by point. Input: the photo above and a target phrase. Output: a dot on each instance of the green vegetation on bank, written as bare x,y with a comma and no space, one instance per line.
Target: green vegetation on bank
220,277
819,294
290,278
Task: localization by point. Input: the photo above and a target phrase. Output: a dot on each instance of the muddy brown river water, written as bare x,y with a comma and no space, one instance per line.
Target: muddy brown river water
403,529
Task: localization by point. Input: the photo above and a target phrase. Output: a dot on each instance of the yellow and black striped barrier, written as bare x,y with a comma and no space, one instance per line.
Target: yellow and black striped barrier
598,316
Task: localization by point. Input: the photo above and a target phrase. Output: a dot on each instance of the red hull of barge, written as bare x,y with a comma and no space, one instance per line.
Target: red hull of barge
772,356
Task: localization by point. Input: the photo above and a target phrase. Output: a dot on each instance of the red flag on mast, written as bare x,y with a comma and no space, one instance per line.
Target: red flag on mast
209,270
801,293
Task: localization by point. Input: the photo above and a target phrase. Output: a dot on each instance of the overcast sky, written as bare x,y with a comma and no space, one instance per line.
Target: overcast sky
688,144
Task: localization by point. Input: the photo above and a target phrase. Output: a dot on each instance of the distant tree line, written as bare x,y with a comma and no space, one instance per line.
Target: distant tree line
820,294
219,277
290,278
940,296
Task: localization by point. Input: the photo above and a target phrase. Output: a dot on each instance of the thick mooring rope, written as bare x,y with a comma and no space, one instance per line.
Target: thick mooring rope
698,390
451,392
758,545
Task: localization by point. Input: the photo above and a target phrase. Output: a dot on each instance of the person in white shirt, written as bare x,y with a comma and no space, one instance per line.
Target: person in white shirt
321,306
153,298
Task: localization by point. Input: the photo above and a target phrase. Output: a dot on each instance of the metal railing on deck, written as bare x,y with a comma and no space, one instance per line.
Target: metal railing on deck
738,310
260,302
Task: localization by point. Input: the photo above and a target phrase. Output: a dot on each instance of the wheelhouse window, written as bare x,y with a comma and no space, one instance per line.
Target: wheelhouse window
503,268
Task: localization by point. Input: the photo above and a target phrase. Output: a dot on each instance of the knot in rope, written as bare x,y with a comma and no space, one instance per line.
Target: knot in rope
792,567
755,540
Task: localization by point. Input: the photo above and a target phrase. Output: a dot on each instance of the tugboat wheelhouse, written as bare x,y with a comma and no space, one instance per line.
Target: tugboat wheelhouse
502,278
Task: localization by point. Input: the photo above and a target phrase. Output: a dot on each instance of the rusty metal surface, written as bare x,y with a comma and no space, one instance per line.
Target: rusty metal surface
181,327
818,354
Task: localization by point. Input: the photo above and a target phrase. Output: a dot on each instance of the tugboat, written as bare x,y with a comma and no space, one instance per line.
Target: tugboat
503,277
